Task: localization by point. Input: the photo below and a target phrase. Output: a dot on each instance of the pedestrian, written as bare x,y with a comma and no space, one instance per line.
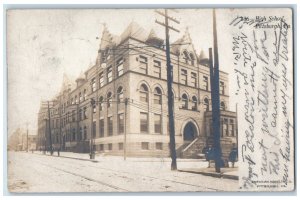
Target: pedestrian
233,155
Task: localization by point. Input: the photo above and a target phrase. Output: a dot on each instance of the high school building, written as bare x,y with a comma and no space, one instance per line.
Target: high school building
119,105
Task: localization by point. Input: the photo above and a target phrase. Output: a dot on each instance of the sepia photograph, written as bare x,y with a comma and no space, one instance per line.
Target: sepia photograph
150,100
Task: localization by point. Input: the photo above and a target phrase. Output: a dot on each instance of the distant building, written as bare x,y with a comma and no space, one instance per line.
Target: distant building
18,141
15,140
128,85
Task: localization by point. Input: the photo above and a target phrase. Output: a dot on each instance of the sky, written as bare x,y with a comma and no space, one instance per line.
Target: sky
42,45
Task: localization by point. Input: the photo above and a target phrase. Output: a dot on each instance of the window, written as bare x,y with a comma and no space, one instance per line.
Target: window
101,103
194,79
94,106
192,59
80,134
222,106
101,79
84,113
206,104
183,76
67,118
184,99
72,101
101,127
94,129
80,114
145,145
121,123
76,101
205,83
120,94
85,133
109,99
225,126
110,125
80,97
157,68
157,96
73,134
120,67
195,102
110,146
101,147
144,122
232,127
84,94
222,87
109,74
93,84
157,123
159,145
143,64
73,115
186,57
121,146
143,93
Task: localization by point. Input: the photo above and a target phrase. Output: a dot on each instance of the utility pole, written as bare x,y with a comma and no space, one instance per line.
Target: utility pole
170,80
49,129
45,137
125,125
27,137
92,153
215,96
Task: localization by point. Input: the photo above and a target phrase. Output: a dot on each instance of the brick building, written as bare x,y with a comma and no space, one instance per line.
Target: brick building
128,84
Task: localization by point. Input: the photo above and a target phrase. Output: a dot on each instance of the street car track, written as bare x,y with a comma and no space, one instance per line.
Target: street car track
87,178
141,175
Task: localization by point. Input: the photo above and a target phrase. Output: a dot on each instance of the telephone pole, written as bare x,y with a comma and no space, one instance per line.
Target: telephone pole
169,82
215,96
92,152
49,129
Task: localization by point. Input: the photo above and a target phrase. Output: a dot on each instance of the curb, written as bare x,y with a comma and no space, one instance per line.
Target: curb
212,174
84,159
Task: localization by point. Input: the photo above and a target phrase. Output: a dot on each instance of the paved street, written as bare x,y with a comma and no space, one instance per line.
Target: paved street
43,173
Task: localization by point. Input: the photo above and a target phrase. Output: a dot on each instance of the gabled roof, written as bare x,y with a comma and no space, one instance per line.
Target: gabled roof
81,76
186,40
67,84
153,39
134,30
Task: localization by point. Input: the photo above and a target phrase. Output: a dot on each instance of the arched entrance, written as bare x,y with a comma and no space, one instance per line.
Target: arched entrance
189,132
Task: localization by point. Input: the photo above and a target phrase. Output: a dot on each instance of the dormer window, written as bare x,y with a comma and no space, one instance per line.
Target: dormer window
186,56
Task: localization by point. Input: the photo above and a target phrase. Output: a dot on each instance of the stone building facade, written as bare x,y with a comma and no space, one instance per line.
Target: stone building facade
119,105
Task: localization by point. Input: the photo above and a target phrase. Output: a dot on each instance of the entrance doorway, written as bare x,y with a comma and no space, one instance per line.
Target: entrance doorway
189,132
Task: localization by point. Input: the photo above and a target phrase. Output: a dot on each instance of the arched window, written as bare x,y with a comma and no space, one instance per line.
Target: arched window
184,101
109,99
222,106
157,96
101,103
143,93
120,94
194,106
206,104
80,97
186,56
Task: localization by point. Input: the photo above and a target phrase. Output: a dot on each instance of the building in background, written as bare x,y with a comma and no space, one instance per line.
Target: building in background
18,141
119,105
